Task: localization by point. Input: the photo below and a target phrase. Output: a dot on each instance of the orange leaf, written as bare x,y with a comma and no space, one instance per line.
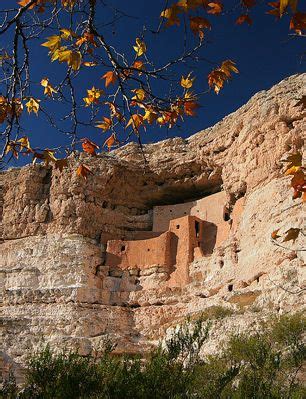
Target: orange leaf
136,120
215,8
197,24
275,235
110,141
83,171
244,19
249,3
110,78
89,146
190,108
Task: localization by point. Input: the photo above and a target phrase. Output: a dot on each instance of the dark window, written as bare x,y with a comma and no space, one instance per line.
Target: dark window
221,263
177,226
257,279
197,229
104,204
122,248
226,216
148,249
230,287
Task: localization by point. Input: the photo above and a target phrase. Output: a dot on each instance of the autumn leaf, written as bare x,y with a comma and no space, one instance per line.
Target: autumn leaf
292,234
275,9
33,105
83,171
24,3
86,38
274,234
138,65
110,141
89,146
283,4
171,15
11,147
89,63
25,144
110,78
67,34
140,47
69,3
47,156
115,113
219,76
187,82
197,24
298,23
135,121
249,3
190,108
298,178
294,160
150,115
244,18
215,8
140,95
105,125
49,89
93,96
188,5
53,43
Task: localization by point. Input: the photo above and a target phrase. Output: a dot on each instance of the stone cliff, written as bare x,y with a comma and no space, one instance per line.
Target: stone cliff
139,245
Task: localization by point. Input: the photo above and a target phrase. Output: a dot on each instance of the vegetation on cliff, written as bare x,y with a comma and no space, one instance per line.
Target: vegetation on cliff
263,364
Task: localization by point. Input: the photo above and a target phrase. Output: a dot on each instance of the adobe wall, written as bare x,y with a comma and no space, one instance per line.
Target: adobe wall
211,209
140,254
187,238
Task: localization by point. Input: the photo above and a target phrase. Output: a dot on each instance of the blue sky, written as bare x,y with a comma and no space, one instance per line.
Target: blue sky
264,53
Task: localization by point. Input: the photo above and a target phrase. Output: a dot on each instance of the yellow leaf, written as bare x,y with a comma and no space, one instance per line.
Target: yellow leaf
140,47
67,34
49,89
283,4
150,116
24,142
140,94
171,15
89,64
187,82
293,170
33,105
93,96
53,43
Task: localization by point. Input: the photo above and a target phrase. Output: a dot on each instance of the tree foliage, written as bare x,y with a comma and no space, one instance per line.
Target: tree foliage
130,99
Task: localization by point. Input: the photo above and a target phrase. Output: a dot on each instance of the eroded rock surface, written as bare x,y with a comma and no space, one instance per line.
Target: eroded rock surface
57,285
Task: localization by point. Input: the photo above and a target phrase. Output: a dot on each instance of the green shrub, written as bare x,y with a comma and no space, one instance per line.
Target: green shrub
261,365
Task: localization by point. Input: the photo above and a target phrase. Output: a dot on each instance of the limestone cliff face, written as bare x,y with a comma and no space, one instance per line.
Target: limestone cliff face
57,283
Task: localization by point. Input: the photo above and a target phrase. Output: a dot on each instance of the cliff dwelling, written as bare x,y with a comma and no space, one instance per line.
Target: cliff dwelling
181,234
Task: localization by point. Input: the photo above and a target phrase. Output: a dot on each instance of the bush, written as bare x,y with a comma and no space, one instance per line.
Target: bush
262,365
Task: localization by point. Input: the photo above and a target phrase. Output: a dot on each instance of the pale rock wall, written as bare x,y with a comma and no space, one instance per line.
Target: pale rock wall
56,287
